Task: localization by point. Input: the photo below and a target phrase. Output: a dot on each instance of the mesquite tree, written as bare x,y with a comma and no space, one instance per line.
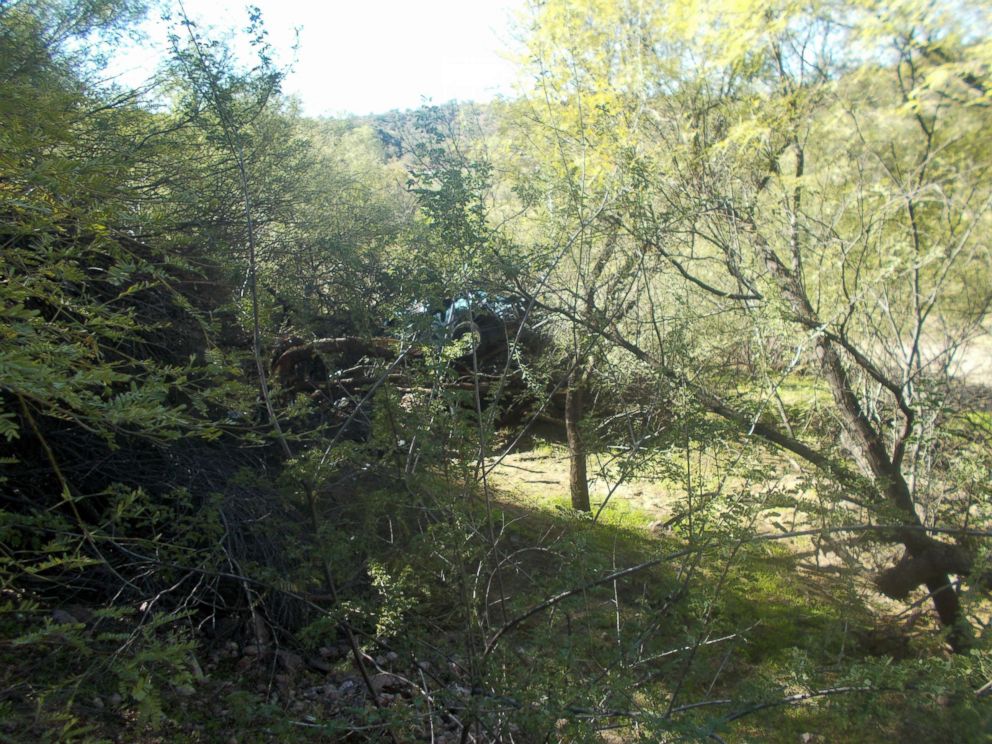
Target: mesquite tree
822,189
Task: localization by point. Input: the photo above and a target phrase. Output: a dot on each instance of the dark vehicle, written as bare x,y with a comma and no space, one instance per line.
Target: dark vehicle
494,322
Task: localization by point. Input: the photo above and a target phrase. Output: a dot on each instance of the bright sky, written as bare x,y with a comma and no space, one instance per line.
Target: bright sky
370,56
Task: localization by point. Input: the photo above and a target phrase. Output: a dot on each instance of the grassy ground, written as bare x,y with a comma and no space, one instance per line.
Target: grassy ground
500,616
799,654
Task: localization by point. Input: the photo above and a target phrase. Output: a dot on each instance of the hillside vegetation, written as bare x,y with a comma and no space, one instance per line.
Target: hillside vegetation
652,405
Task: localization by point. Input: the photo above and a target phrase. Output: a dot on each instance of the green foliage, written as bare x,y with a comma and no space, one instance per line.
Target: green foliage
634,201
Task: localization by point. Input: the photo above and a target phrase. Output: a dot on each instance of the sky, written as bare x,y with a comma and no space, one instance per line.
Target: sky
358,57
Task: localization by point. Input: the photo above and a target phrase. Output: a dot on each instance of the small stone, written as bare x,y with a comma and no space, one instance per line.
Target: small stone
384,681
380,660
61,617
245,663
392,657
424,666
315,662
97,703
115,699
253,649
289,661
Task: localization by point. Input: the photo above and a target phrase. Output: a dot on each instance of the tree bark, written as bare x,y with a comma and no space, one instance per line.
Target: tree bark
929,561
574,408
930,556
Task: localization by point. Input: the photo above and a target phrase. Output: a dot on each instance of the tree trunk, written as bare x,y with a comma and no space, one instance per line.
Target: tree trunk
577,478
929,557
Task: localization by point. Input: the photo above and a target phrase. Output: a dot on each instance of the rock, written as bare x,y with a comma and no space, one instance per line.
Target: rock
245,663
115,699
97,703
315,662
62,617
424,666
225,628
387,682
392,657
289,661
253,649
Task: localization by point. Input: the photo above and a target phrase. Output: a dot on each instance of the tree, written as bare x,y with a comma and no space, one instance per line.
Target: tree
805,181
570,136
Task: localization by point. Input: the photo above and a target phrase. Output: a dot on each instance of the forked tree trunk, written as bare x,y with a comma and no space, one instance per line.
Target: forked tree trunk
574,408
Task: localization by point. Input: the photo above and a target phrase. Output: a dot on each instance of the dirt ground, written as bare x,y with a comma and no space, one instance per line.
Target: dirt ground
540,477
